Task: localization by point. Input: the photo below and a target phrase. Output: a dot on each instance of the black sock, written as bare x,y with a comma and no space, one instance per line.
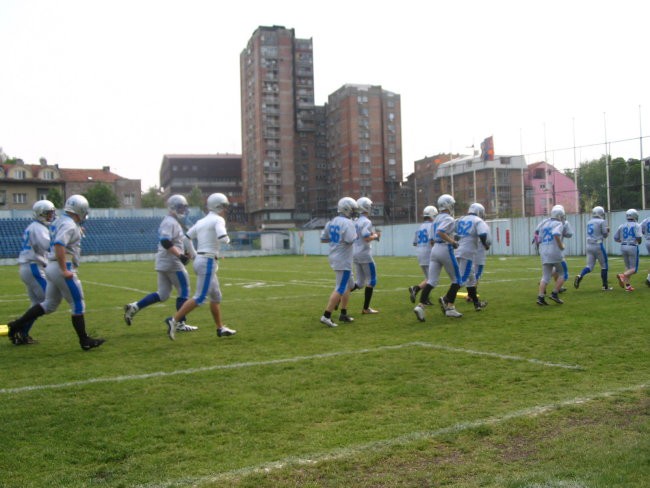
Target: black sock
471,292
451,293
425,293
368,297
79,324
327,314
29,316
344,311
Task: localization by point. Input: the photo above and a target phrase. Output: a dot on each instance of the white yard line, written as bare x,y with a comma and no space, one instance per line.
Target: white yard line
296,359
384,444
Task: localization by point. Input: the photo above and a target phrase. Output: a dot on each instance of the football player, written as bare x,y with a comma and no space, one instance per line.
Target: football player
645,230
629,235
174,251
340,233
442,256
567,232
472,232
597,232
61,273
33,259
210,232
551,253
423,241
364,265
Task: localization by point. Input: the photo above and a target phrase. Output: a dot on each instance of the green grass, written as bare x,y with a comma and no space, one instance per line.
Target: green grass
515,396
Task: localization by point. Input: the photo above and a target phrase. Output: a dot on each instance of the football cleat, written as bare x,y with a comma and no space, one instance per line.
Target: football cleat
555,297
419,313
130,309
478,306
428,302
183,327
29,340
621,280
607,288
345,318
90,343
413,293
562,290
171,328
224,331
629,288
14,335
327,321
541,301
369,311
576,282
647,282
443,304
452,312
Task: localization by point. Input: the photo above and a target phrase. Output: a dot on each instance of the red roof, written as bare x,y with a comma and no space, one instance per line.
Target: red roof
79,175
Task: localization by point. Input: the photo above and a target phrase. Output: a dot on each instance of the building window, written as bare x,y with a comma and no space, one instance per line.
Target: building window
20,197
3,197
129,199
20,174
41,193
539,174
47,174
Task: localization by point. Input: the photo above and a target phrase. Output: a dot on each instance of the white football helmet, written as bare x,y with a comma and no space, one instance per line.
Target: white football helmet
446,202
364,204
347,206
598,212
177,205
557,212
78,205
430,211
217,202
632,214
477,209
44,211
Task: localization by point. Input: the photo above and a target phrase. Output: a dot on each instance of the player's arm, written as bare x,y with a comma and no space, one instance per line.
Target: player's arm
447,238
558,241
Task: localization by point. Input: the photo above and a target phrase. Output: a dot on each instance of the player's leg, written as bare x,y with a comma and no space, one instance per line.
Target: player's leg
371,273
452,268
160,295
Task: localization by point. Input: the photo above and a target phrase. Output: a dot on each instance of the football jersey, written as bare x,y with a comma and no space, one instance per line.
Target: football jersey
597,230
341,233
627,233
645,229
469,228
549,250
36,244
67,233
210,232
421,241
172,230
362,249
443,223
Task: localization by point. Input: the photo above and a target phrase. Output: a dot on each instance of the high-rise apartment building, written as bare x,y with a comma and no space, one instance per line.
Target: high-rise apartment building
298,159
278,125
365,144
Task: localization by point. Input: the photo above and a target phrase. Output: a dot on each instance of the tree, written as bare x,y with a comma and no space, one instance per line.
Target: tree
624,183
195,198
153,198
100,195
55,196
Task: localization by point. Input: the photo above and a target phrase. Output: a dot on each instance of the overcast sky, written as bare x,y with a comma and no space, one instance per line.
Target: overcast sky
89,83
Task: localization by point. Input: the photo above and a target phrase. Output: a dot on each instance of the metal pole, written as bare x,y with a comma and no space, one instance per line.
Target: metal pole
609,201
575,167
642,162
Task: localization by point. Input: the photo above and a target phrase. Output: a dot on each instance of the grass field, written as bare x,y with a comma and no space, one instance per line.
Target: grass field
514,396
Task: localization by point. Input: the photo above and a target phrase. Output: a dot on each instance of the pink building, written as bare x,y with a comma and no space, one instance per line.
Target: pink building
546,187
